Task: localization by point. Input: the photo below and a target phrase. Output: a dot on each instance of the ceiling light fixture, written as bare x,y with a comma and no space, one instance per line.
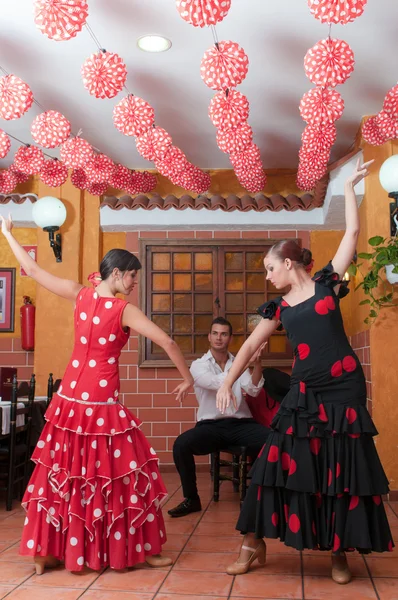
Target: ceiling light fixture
153,43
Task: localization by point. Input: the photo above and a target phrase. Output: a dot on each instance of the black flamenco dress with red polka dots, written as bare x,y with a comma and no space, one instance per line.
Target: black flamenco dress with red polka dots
318,480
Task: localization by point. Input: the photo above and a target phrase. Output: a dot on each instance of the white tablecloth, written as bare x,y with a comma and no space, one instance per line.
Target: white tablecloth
5,408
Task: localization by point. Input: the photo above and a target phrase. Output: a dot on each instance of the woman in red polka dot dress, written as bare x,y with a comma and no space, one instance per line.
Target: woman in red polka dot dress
318,481
95,495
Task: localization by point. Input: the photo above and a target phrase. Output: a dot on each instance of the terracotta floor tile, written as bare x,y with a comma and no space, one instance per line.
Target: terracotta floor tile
224,506
382,567
392,517
204,584
25,592
230,517
320,566
135,580
186,597
192,517
278,547
60,577
11,554
114,595
278,563
324,588
5,589
180,526
10,534
387,588
212,543
256,585
175,542
203,561
4,545
220,529
14,573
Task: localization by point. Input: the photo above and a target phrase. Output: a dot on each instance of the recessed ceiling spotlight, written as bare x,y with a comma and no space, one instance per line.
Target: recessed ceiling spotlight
153,43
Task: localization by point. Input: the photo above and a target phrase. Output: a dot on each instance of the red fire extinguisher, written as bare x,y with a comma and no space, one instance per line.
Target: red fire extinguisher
27,312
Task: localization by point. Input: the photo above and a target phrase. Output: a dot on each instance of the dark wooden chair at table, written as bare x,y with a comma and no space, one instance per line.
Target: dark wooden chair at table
15,451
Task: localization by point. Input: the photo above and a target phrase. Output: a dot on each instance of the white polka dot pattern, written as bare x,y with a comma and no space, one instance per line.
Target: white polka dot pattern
225,66
329,63
50,129
104,74
15,97
202,13
337,11
60,19
133,116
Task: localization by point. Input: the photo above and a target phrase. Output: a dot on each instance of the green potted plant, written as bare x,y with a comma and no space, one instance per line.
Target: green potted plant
384,258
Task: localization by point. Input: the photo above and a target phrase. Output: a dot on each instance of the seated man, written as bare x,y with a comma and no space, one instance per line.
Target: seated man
214,430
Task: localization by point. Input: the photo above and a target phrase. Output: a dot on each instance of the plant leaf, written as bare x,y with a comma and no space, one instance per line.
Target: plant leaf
373,314
376,240
352,270
365,255
364,302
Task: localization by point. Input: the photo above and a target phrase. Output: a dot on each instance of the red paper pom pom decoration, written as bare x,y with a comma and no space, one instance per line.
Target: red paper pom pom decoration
320,106
173,162
315,163
372,133
337,11
29,159
53,173
149,182
99,168
79,179
228,109
15,97
154,143
253,181
120,177
60,19
318,138
246,160
200,182
329,63
8,182
133,116
387,124
136,183
236,139
50,129
202,13
97,188
76,152
21,177
224,66
305,181
104,74
5,144
390,105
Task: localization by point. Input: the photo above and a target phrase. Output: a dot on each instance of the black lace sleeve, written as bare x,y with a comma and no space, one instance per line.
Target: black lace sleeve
329,278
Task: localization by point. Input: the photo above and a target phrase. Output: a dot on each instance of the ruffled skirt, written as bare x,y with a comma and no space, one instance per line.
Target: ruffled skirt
95,495
318,481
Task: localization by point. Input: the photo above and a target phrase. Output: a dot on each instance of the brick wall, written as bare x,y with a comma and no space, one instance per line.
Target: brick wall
361,345
147,392
12,355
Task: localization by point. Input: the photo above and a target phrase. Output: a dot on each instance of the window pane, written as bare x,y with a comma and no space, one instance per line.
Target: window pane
234,281
253,301
277,343
236,343
237,322
203,261
161,261
203,302
182,282
157,349
255,281
234,302
255,260
161,302
201,344
252,321
182,261
183,323
161,282
234,260
182,301
162,321
203,322
203,281
184,342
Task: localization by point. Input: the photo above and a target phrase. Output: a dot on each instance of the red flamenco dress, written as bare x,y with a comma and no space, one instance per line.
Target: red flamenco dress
318,481
95,494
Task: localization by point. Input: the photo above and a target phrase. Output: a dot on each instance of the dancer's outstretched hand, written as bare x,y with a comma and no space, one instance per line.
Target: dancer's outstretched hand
182,391
6,224
360,172
225,396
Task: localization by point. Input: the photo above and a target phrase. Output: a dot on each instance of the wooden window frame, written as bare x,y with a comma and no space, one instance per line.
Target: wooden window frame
143,362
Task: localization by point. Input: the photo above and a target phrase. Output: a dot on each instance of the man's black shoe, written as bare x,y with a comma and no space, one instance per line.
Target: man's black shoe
186,507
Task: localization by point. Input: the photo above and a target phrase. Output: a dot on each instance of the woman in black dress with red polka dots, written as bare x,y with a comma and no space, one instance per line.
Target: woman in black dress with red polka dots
318,481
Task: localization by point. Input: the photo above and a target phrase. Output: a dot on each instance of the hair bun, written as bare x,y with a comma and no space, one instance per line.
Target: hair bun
306,256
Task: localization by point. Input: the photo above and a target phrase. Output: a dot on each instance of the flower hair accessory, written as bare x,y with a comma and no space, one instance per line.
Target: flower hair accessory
95,279
308,268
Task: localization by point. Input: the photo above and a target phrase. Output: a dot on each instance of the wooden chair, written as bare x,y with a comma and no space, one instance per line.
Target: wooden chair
52,388
240,464
15,451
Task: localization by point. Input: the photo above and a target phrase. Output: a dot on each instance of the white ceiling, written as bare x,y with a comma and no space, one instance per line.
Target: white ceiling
275,35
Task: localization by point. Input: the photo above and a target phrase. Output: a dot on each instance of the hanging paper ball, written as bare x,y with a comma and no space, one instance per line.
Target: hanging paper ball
372,133
21,177
53,173
136,183
200,182
390,105
50,129
305,181
15,97
75,152
228,109
97,188
337,11
120,177
329,63
8,182
320,106
236,139
149,182
99,168
315,163
133,115
318,138
387,124
5,144
224,66
60,19
104,74
202,13
154,143
29,159
253,181
173,162
79,179
249,158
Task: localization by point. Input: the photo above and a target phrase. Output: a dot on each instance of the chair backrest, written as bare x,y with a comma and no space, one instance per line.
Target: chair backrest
50,389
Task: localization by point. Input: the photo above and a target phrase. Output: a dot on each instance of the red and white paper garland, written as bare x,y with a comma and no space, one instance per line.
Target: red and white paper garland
384,126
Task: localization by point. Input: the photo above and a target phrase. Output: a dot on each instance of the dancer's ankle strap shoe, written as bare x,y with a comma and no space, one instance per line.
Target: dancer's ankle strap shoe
187,506
260,553
340,570
158,561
